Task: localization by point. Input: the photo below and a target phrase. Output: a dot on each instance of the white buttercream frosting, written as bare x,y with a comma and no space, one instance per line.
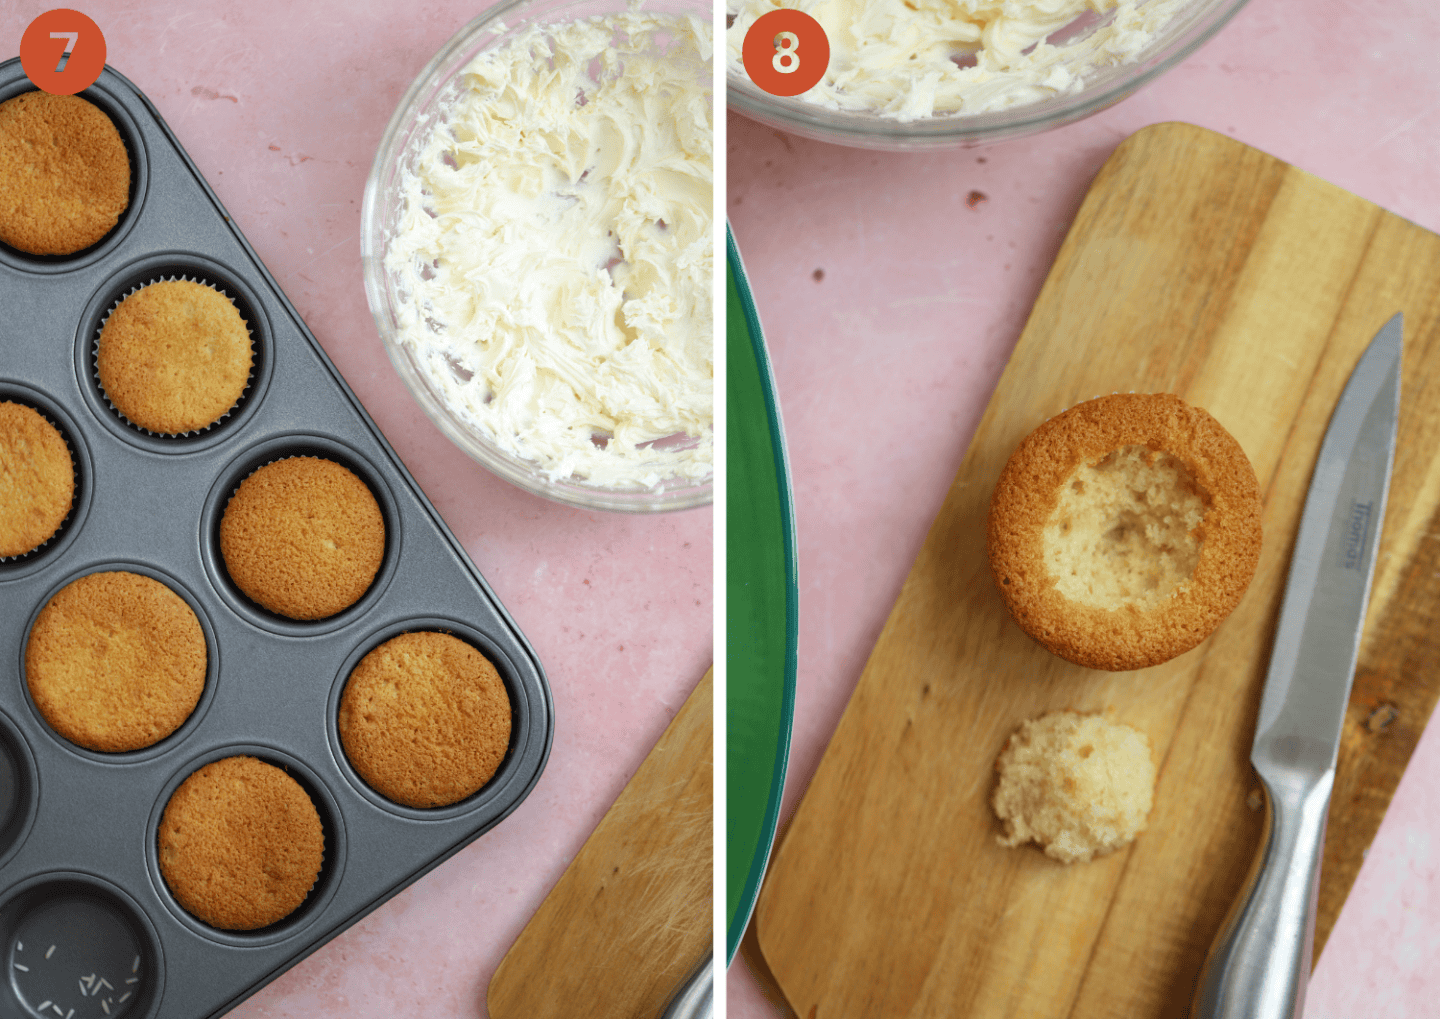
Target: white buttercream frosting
554,254
910,59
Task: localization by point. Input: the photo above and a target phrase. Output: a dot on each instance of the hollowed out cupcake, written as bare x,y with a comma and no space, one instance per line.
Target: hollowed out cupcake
1123,531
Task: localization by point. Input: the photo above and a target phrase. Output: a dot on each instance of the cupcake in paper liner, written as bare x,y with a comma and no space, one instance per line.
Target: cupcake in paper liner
37,480
241,844
303,537
174,357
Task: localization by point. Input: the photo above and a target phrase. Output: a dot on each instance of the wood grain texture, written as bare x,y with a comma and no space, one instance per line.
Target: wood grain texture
632,916
1201,267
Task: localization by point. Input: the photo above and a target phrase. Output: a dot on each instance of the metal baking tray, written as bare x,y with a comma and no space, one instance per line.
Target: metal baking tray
78,867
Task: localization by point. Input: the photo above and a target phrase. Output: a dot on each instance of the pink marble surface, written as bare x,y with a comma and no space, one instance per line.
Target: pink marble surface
281,105
890,307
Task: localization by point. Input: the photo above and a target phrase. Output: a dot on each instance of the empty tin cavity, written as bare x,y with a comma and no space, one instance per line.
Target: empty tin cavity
18,788
75,948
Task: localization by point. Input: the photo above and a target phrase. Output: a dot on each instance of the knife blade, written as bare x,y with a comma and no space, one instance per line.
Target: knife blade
1260,962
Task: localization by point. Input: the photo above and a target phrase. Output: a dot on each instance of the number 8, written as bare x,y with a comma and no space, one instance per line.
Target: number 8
786,61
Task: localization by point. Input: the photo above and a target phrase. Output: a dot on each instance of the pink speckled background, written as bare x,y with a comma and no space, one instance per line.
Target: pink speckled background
281,105
885,364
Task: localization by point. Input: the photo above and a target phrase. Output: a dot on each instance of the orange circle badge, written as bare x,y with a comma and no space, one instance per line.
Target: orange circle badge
786,52
62,52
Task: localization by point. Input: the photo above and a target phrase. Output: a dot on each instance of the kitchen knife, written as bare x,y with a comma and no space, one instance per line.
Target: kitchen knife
695,998
1260,963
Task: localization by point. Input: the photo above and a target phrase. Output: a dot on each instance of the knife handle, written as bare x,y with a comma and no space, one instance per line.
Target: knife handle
1260,963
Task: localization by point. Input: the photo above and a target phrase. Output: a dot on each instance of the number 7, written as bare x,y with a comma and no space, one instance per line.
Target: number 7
73,38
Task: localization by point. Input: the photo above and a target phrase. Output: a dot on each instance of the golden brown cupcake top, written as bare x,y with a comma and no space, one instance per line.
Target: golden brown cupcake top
115,661
1123,531
174,356
425,719
64,174
303,537
241,844
37,479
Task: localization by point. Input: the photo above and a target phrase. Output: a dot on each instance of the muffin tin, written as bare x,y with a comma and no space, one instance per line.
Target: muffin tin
78,853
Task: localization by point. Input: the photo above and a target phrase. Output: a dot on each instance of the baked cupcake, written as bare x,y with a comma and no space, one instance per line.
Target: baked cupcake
425,719
115,661
174,356
37,479
1079,786
303,537
241,844
1123,531
64,174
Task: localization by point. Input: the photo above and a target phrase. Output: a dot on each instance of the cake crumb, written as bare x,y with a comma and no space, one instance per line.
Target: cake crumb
1381,717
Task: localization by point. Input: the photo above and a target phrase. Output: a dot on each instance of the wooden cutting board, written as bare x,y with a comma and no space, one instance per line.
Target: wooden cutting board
632,915
1201,267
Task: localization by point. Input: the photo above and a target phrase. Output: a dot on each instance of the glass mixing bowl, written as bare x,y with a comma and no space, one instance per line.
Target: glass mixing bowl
1191,26
421,109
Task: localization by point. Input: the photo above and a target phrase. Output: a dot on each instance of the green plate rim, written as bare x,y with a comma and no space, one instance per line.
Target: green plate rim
747,331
